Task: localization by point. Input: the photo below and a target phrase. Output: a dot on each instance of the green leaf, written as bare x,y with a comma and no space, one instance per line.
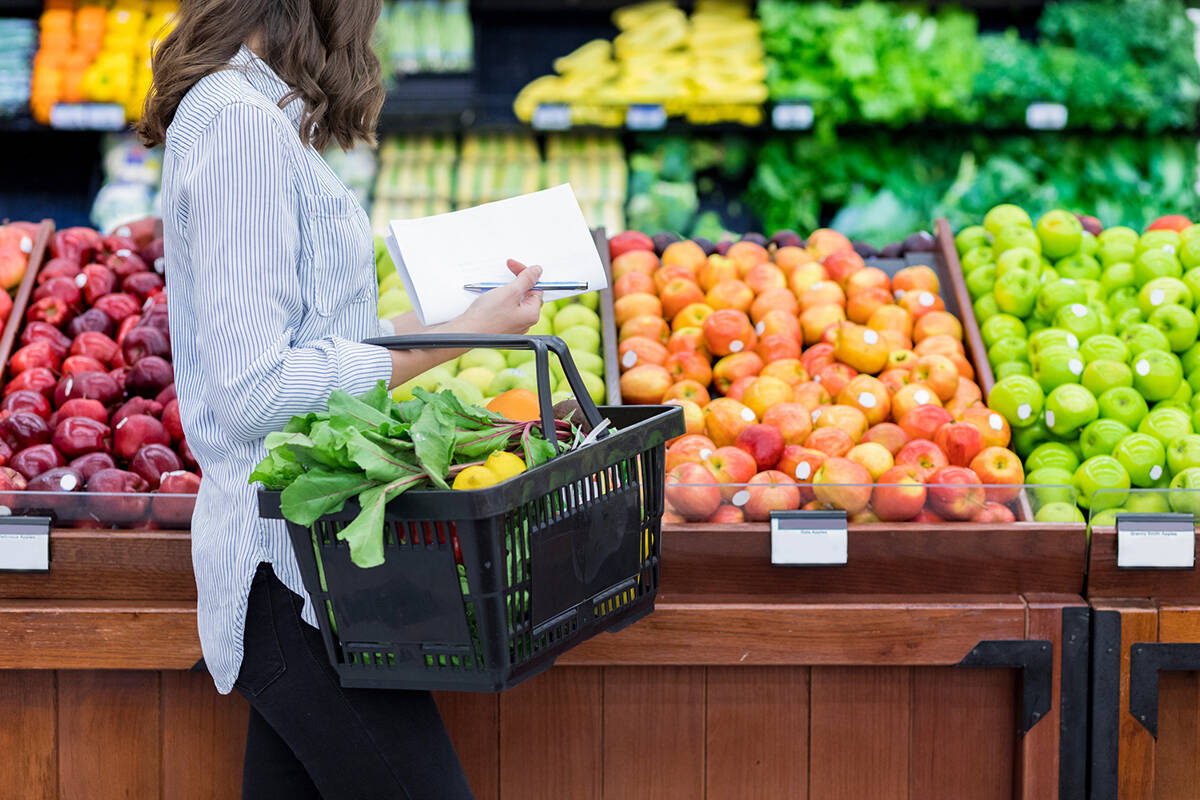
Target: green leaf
351,412
464,416
276,471
379,463
537,450
475,445
328,446
433,441
378,398
303,424
365,533
319,492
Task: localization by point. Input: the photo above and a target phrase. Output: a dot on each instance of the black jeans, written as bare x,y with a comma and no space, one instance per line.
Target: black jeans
310,738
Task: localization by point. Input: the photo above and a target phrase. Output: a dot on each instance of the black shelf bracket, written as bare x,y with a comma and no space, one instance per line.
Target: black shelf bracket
1035,659
1073,703
1146,660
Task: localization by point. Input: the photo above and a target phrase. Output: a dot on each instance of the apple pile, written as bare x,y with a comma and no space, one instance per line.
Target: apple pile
1091,334
90,400
807,380
478,376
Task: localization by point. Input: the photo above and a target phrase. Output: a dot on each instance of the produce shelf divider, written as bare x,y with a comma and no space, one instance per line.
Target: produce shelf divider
608,325
16,319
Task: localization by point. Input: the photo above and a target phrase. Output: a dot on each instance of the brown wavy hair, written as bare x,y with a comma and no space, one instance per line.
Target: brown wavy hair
320,48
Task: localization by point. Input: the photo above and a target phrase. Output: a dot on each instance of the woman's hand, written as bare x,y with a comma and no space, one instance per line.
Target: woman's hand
512,309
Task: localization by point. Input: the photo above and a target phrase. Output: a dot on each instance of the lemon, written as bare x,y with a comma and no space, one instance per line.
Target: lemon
504,465
476,477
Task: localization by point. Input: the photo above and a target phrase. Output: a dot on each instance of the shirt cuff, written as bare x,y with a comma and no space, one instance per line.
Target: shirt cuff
361,366
386,328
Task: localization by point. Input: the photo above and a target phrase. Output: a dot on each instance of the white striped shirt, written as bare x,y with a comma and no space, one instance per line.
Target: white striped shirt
271,278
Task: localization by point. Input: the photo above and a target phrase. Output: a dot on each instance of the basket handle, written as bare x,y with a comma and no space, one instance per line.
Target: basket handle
540,345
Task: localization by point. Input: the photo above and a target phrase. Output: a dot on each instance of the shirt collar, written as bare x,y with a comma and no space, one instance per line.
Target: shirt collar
266,82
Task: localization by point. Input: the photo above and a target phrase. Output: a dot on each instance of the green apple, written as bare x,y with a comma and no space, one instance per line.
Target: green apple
576,315
1034,324
1069,407
1191,279
1101,437
1155,264
588,362
1016,236
1003,216
971,237
1125,318
1078,266
1166,240
1080,320
1101,375
1190,232
1024,259
1166,424
581,337
1010,348
393,303
1054,366
985,307
1011,368
543,327
1047,274
1058,512
1118,233
1111,253
1193,380
1016,292
482,357
1115,276
1104,347
389,282
1143,502
1189,252
1025,439
1141,337
1156,374
1106,518
1058,293
1124,404
1018,399
1190,360
480,376
595,387
1051,454
1184,496
977,259
1001,326
1177,323
1122,298
981,281
513,378
590,300
465,390
1163,291
1091,288
1088,245
1183,453
1052,485
1101,482
516,358
1048,337
560,396
429,380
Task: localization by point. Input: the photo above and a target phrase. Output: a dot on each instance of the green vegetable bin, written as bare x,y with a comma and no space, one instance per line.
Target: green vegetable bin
480,590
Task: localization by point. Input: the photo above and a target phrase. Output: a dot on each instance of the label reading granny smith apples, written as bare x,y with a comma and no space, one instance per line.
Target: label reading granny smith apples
645,117
551,117
792,117
1046,116
25,544
809,538
87,116
1156,541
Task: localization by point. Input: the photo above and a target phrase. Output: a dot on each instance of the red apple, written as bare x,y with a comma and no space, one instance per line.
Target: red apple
842,483
960,441
770,491
888,434
993,513
955,493
899,494
1000,470
691,491
924,455
731,466
764,444
727,514
924,420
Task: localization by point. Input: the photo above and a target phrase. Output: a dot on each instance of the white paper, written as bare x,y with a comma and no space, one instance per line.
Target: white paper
437,255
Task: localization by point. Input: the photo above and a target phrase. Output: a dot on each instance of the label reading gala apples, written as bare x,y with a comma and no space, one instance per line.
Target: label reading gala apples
24,544
1156,541
809,538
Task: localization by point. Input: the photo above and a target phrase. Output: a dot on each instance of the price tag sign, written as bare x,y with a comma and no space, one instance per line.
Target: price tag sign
645,117
24,544
552,117
1046,116
87,116
792,117
809,538
1156,541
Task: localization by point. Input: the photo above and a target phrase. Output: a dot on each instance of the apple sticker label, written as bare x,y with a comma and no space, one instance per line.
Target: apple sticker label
921,396
736,346
1069,281
1049,418
26,245
741,497
866,400
1155,472
1157,296
1073,340
816,414
926,299
705,453
803,471
747,415
1142,367
1079,310
1024,410
870,336
629,359
760,327
996,423
1076,366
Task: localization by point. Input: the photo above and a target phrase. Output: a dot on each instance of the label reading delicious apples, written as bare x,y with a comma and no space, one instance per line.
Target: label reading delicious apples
792,117
551,117
25,544
1156,541
809,538
645,117
88,116
1046,116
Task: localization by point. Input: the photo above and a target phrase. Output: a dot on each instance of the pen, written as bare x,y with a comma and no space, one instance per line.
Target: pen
544,286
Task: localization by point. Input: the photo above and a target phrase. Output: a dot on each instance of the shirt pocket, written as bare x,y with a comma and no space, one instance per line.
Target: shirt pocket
337,251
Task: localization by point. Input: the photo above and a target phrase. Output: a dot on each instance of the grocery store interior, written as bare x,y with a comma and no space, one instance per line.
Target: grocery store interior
862,463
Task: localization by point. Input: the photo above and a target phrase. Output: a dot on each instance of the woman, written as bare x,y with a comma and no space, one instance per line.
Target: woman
271,278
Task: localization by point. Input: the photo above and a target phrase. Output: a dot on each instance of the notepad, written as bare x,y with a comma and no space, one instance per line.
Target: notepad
436,256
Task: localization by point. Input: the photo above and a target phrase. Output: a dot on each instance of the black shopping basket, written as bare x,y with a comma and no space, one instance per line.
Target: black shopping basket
480,590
